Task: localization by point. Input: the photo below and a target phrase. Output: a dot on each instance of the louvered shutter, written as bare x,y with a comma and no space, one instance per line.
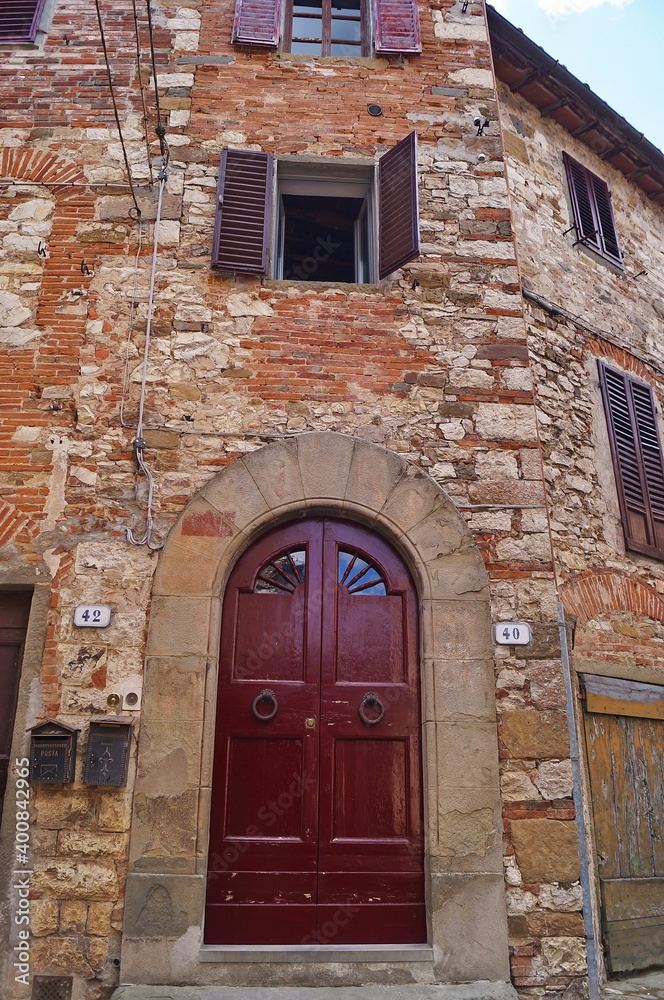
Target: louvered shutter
242,224
397,26
607,226
257,22
19,20
637,459
398,221
582,204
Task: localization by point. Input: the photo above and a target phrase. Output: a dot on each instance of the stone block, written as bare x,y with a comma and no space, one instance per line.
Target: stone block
547,850
546,924
60,808
82,843
60,957
44,916
463,690
79,879
469,919
457,629
164,827
114,810
99,918
544,642
564,956
163,906
324,461
527,733
190,563
470,836
276,472
73,915
467,755
414,497
547,685
458,576
169,756
374,472
161,439
174,687
554,779
235,494
179,625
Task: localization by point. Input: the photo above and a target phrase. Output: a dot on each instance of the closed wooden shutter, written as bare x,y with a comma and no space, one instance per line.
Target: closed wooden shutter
242,224
398,222
397,26
637,459
591,207
257,22
19,20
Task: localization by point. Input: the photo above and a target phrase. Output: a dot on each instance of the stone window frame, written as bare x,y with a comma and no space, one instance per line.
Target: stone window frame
317,474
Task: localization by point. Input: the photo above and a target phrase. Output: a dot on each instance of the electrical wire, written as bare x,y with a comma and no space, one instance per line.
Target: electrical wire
159,130
130,331
140,84
115,107
139,442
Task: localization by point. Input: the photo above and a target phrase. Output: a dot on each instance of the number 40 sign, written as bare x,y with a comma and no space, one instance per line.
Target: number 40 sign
92,615
512,633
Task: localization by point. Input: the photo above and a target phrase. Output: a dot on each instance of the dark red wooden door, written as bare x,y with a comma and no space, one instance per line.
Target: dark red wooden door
14,612
316,828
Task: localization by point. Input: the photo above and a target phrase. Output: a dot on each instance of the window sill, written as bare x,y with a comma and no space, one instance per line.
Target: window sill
599,258
343,286
377,62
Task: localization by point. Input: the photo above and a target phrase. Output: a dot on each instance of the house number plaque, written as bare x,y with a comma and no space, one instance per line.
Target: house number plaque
92,615
107,755
512,633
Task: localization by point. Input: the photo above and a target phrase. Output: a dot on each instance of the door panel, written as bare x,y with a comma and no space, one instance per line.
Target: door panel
317,812
14,612
626,765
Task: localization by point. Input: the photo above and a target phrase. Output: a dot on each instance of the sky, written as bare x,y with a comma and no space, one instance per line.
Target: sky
615,46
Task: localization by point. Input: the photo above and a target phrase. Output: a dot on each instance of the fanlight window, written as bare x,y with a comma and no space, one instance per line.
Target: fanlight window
282,574
359,576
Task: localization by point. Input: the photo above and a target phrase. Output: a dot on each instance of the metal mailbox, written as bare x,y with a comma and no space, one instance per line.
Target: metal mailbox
107,756
52,752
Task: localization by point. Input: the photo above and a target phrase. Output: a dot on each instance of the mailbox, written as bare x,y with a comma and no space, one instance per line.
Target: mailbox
107,756
52,752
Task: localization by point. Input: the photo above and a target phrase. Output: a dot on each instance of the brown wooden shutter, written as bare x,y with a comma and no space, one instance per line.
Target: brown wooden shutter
637,459
244,200
19,20
257,22
607,226
397,26
398,222
591,207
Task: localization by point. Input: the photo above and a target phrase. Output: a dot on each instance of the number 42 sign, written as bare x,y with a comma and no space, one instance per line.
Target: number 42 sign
512,633
92,615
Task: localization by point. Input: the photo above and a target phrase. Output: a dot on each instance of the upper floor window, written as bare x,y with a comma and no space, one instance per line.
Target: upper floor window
19,20
317,220
329,27
637,459
591,208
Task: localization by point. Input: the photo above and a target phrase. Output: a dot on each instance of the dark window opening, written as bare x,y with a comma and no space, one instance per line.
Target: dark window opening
326,28
323,237
592,213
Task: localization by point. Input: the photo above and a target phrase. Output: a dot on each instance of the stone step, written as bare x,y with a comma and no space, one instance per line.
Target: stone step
412,991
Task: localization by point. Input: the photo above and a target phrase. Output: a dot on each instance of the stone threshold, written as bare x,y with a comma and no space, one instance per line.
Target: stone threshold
316,953
411,991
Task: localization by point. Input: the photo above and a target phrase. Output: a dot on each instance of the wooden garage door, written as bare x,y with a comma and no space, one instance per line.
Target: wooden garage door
624,723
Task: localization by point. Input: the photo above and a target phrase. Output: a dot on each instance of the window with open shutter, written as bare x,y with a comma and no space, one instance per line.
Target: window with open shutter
637,459
325,223
242,224
19,20
591,208
330,27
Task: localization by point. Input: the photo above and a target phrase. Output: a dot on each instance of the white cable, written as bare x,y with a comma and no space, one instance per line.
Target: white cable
139,443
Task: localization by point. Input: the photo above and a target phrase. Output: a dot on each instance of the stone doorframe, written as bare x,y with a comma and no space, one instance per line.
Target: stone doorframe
316,474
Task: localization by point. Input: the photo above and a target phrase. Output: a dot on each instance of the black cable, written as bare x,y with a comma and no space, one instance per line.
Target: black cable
115,107
140,83
159,130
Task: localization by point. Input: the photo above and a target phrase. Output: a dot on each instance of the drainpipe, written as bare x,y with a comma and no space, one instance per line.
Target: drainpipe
593,985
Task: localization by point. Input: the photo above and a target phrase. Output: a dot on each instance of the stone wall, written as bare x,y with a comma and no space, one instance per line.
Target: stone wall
431,364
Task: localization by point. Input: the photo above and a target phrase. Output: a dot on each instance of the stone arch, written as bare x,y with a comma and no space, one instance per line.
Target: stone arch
313,474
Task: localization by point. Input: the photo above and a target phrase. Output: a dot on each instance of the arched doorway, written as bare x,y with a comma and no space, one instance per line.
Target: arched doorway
316,820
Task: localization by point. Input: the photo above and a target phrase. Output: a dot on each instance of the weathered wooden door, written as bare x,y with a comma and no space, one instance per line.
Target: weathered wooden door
14,612
624,724
316,822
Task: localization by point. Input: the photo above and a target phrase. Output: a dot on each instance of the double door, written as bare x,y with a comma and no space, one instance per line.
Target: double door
316,826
